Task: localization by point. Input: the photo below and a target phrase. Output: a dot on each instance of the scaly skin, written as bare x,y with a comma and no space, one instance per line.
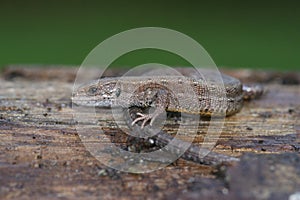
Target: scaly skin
205,94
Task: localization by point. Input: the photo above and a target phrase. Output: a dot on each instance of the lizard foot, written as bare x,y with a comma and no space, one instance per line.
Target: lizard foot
145,118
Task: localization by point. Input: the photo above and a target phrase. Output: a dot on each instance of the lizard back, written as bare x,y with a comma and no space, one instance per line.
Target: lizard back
205,94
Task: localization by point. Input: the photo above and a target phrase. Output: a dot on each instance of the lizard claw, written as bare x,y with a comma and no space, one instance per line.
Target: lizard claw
145,118
148,117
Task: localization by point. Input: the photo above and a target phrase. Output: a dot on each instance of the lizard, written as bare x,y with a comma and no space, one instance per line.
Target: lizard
214,95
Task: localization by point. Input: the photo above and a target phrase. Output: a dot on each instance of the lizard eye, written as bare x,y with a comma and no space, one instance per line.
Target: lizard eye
92,90
118,92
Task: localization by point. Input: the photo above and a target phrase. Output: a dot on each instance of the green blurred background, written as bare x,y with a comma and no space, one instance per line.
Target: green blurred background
254,34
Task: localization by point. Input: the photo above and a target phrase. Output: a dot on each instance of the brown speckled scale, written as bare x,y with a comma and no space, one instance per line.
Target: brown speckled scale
206,93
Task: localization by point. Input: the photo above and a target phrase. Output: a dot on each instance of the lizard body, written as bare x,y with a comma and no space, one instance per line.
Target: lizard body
205,94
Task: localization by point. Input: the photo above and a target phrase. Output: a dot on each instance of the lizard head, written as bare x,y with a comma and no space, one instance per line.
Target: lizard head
98,93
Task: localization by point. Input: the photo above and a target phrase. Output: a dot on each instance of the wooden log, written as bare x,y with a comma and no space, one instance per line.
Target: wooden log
42,156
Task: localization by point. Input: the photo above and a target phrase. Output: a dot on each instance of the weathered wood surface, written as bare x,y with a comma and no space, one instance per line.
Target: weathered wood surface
42,156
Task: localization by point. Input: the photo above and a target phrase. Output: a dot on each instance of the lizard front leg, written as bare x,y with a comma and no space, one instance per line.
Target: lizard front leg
160,100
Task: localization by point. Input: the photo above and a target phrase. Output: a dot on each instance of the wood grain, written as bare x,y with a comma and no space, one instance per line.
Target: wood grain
42,156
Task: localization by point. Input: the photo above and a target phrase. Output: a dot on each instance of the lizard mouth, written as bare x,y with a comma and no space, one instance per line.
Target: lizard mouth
90,101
